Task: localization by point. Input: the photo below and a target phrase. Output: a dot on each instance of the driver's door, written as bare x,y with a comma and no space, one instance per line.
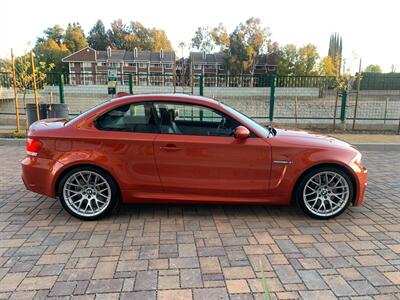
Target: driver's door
198,156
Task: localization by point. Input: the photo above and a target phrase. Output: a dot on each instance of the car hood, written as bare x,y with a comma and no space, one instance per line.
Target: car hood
309,139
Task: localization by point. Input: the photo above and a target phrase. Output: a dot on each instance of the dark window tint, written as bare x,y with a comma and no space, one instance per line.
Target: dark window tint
193,119
130,117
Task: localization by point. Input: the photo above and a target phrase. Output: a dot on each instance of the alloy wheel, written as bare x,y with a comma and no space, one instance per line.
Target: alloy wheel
87,193
326,193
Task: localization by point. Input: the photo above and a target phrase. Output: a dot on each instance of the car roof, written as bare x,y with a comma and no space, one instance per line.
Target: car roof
167,97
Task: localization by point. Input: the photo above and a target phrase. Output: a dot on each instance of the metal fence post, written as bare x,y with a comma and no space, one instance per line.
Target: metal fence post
343,107
61,87
272,98
130,77
201,83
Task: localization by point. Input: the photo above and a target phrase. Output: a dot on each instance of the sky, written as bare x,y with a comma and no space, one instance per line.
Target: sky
370,29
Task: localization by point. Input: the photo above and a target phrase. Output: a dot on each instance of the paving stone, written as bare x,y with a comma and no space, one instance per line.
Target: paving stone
339,286
168,282
105,286
184,263
37,283
182,294
363,287
238,286
10,281
287,274
317,295
210,293
146,280
105,270
312,280
191,278
238,272
63,288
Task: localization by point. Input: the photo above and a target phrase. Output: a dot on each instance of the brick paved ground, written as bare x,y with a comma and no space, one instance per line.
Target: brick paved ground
200,251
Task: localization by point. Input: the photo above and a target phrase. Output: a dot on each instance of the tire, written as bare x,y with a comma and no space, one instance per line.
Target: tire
323,201
88,193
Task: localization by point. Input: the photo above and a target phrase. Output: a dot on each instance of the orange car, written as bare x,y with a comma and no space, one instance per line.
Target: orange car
179,148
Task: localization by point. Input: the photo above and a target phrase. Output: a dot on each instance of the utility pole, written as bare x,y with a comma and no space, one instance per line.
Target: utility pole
15,91
357,95
34,86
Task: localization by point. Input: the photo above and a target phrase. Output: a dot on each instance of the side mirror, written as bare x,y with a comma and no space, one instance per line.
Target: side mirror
241,133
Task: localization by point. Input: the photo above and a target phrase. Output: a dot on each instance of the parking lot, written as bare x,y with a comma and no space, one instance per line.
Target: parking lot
200,251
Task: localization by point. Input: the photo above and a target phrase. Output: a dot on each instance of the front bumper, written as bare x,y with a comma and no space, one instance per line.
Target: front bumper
362,177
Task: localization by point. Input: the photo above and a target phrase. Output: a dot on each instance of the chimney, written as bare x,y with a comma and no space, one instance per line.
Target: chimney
161,54
135,53
108,51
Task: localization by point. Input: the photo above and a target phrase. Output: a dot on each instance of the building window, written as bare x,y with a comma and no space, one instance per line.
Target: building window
113,65
87,64
155,65
209,67
220,67
271,68
197,67
129,64
142,65
102,64
168,66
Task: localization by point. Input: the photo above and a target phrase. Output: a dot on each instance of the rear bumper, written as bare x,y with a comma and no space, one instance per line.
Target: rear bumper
362,177
38,175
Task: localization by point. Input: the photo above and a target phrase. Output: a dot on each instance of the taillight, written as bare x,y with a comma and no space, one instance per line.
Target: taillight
33,147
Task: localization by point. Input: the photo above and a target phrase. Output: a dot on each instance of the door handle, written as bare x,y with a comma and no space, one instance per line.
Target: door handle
170,148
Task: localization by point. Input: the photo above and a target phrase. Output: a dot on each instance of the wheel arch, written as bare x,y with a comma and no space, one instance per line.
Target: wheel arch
342,167
69,168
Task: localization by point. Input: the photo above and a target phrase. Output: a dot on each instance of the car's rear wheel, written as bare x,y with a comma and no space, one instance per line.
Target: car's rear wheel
88,193
325,192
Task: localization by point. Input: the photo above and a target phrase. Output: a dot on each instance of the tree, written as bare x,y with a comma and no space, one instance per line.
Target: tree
236,54
254,37
287,59
23,72
246,42
50,52
220,36
335,51
5,64
55,33
202,40
160,40
182,45
75,37
97,38
306,63
326,67
117,34
373,69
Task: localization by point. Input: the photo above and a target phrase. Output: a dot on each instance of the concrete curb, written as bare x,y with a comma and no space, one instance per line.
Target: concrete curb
377,147
359,146
12,142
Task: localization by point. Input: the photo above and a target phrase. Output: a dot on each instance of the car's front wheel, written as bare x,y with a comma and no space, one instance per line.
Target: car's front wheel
88,193
325,192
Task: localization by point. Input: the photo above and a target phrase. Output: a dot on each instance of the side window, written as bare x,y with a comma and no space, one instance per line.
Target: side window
193,119
129,117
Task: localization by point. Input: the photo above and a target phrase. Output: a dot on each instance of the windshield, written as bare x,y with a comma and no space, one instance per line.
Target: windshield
253,123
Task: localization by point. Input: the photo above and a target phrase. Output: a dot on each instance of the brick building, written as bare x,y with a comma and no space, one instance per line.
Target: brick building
90,66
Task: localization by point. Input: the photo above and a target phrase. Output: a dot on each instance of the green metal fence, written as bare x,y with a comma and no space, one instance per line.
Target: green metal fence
295,100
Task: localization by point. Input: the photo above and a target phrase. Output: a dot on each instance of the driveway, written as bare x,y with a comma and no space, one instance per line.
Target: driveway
200,251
